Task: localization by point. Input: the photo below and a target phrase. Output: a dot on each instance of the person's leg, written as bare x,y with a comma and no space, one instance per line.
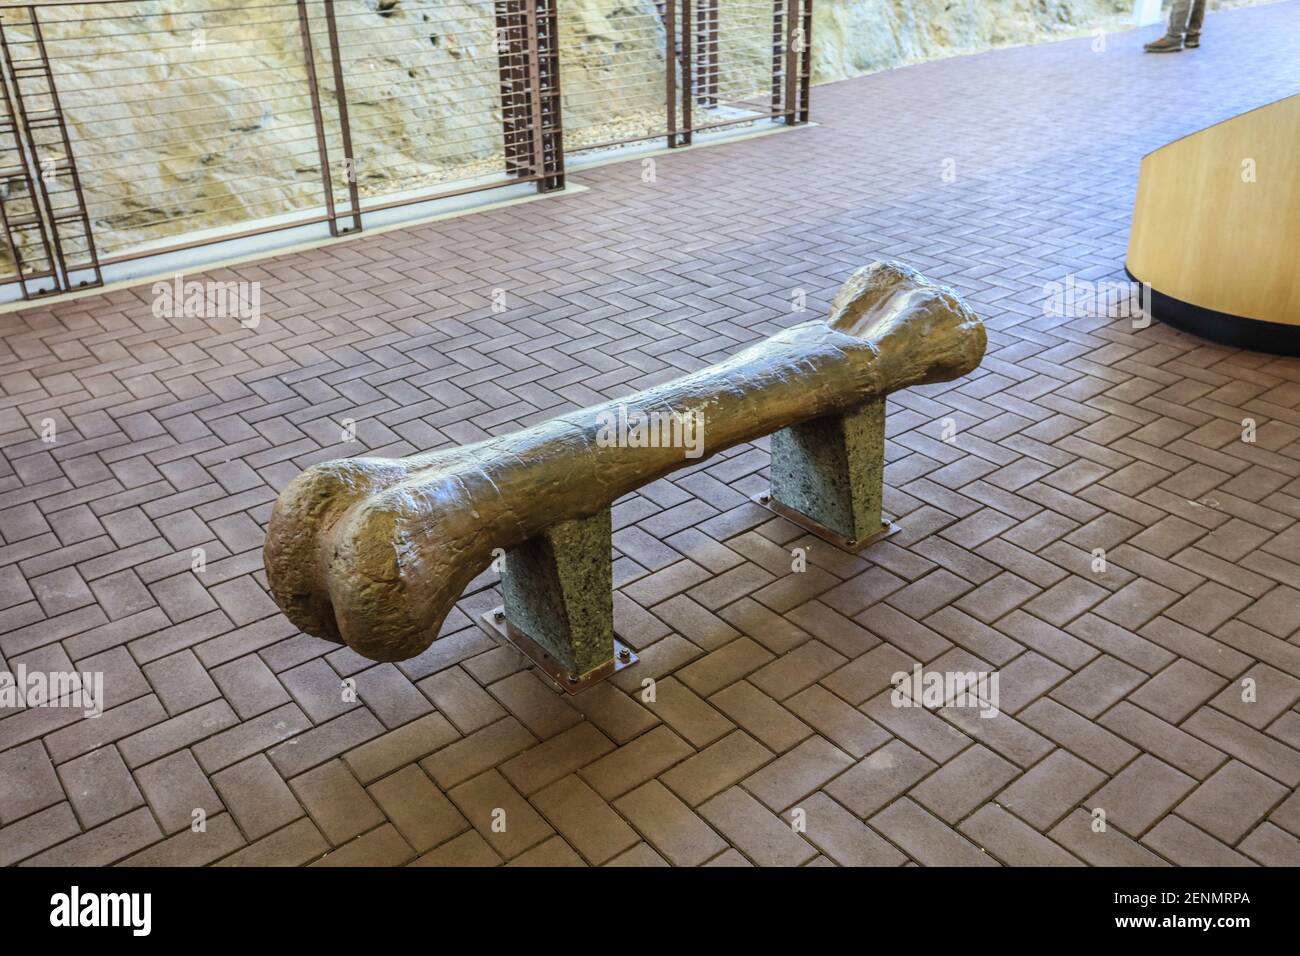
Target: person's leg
1172,41
1193,38
1179,12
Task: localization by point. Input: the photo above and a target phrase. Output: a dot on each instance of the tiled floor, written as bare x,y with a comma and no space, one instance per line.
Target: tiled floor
1120,691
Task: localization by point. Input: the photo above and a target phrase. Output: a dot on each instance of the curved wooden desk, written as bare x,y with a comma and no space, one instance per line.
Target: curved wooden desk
1216,230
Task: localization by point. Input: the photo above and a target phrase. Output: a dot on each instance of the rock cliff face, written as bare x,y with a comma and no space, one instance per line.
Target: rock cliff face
851,37
189,115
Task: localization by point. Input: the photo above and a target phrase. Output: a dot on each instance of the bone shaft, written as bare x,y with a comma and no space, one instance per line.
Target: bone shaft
754,394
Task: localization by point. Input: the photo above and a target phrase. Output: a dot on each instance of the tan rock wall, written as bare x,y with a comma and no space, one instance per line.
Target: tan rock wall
851,37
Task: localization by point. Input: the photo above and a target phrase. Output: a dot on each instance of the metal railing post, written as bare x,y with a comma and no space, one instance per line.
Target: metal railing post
805,63
791,62
61,215
512,66
778,43
688,75
340,93
544,64
670,68
23,170
708,26
313,88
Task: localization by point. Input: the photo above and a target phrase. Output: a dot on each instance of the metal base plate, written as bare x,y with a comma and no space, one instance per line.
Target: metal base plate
495,623
820,530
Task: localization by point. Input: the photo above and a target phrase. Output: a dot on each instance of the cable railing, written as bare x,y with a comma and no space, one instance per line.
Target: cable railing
134,128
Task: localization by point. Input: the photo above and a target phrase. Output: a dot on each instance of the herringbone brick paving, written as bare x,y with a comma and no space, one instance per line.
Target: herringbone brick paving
1120,690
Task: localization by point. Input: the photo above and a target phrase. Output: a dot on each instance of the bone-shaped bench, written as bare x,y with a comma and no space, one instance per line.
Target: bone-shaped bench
374,552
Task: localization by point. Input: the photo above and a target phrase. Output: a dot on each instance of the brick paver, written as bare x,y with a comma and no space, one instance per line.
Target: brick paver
1148,711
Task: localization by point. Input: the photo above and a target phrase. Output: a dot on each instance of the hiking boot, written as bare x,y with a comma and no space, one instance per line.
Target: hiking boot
1165,44
1192,41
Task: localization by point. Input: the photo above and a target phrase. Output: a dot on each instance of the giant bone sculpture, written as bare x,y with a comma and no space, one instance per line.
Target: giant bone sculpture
374,552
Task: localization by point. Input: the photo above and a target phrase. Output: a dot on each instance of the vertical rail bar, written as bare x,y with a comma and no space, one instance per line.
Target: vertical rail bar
538,152
670,68
21,148
701,50
57,264
70,161
514,88
345,129
322,148
550,110
708,27
715,59
688,74
805,63
778,36
791,61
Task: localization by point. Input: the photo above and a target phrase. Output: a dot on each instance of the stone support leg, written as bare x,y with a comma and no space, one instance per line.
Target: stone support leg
831,471
558,590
